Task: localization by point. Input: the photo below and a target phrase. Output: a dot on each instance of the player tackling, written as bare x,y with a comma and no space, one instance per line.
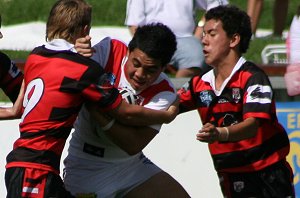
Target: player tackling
105,157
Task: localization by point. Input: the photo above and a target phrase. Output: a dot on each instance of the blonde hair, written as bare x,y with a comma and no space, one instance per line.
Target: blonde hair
67,19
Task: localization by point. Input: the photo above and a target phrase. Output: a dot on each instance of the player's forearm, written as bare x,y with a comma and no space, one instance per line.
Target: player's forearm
244,130
9,113
141,116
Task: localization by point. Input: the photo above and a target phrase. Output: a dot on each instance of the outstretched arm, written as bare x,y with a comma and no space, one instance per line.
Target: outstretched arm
140,116
13,112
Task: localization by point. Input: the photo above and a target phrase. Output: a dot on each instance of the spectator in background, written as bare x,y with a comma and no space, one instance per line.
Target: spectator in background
292,75
280,9
10,82
179,16
236,105
293,40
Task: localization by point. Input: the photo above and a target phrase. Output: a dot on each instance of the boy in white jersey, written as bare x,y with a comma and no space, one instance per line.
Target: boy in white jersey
105,157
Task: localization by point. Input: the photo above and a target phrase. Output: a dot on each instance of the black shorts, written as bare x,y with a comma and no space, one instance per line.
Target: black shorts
34,183
274,181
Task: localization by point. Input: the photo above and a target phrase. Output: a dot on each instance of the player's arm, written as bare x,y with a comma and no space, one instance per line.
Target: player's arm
139,115
13,112
131,139
243,130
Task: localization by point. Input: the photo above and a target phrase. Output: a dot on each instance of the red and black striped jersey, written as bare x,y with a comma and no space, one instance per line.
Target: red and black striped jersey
10,77
57,83
248,93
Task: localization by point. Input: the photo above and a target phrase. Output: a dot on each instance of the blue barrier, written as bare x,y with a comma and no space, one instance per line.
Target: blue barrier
289,116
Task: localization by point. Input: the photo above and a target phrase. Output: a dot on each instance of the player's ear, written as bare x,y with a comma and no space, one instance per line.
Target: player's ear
235,40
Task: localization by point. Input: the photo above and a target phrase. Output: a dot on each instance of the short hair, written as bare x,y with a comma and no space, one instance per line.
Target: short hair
156,40
67,18
235,21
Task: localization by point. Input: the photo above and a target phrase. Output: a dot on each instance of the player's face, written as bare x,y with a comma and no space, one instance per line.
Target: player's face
141,70
216,44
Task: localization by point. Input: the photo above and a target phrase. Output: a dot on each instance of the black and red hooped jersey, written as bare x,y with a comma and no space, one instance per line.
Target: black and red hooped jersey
247,94
57,84
10,77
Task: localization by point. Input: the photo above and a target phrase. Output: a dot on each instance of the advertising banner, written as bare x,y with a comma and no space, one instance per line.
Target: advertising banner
289,116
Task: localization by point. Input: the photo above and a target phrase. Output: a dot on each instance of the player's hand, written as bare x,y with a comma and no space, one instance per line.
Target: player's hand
172,111
209,133
83,46
101,117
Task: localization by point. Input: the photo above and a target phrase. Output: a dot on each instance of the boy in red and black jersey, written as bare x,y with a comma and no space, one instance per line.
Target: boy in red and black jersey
58,81
237,108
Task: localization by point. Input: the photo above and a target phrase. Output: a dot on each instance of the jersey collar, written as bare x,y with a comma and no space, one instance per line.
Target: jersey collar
60,45
210,76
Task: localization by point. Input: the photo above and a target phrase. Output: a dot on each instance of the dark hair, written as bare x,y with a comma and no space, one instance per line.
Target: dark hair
156,40
235,21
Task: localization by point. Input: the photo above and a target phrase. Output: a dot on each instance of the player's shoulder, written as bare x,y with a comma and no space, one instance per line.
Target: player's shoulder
252,68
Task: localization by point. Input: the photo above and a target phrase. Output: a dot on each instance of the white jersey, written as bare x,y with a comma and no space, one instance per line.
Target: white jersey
92,156
89,141
178,15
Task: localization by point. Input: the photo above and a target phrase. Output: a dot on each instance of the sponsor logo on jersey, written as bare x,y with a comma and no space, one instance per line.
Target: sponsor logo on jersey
205,97
30,190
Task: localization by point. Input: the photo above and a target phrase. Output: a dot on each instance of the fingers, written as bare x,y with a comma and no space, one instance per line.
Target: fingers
208,133
83,46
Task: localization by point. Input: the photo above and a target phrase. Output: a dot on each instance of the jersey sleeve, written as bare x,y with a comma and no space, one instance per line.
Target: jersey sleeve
10,77
101,89
186,95
258,97
102,50
161,101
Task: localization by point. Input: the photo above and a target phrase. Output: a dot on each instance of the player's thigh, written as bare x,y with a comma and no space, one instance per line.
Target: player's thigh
160,185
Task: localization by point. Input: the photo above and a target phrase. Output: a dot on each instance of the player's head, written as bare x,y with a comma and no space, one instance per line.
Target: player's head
0,27
69,19
234,21
156,40
150,50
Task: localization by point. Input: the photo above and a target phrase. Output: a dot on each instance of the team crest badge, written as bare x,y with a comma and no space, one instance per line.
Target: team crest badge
236,95
205,97
238,186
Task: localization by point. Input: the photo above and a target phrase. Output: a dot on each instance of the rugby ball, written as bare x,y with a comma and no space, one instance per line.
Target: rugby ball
128,95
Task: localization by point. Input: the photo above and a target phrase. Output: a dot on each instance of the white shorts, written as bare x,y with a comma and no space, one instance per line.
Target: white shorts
107,179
